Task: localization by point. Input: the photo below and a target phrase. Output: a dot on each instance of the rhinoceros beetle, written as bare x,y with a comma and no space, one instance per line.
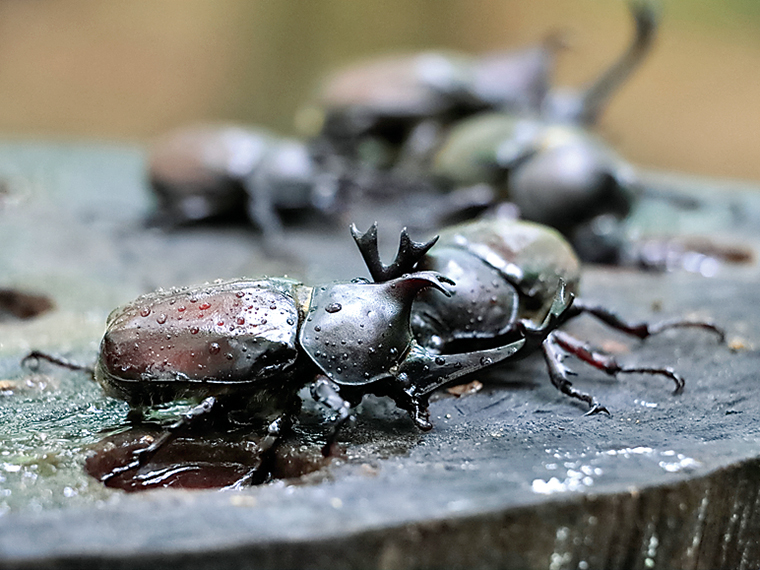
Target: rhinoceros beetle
245,348
207,172
515,281
559,175
394,111
376,110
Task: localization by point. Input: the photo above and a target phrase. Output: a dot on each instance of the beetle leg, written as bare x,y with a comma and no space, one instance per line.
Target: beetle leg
32,360
409,253
607,363
326,392
142,456
558,372
267,444
641,330
262,211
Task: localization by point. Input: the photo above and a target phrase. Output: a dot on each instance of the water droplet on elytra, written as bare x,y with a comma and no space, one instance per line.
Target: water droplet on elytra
213,348
333,307
145,312
161,319
204,306
194,330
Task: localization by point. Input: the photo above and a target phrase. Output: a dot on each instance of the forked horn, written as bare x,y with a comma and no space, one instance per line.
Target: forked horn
410,252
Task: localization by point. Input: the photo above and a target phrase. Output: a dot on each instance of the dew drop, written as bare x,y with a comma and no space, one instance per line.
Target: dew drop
229,356
317,328
333,307
161,319
181,308
194,330
290,321
240,321
240,294
440,360
486,361
203,306
213,348
145,312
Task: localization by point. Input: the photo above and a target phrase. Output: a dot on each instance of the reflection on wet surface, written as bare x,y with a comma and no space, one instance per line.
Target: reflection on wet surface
199,461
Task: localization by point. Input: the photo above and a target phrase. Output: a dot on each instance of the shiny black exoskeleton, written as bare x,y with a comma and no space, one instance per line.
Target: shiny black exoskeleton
548,163
559,175
245,348
209,172
396,110
515,281
378,110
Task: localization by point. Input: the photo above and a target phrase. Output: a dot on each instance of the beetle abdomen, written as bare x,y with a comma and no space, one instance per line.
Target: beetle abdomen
227,334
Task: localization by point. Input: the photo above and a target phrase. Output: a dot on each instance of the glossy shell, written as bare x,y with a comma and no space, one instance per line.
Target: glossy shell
197,171
556,174
357,333
399,85
203,340
504,270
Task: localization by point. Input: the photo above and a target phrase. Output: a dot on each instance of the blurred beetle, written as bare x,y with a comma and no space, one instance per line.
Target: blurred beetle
213,172
393,111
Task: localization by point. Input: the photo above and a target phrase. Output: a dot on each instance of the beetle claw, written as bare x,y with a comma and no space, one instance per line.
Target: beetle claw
597,408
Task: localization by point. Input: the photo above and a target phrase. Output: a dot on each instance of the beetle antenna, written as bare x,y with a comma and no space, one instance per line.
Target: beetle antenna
410,252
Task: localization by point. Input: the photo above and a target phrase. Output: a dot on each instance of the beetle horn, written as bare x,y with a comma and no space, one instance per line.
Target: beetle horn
431,370
409,253
597,95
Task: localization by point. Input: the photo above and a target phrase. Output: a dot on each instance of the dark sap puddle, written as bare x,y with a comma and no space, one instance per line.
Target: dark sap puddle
200,461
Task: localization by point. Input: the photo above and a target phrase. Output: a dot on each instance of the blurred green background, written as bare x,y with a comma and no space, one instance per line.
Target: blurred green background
131,69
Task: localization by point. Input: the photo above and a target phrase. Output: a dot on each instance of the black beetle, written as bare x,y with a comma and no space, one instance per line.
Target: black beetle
376,109
514,280
206,172
394,111
548,163
559,175
246,347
